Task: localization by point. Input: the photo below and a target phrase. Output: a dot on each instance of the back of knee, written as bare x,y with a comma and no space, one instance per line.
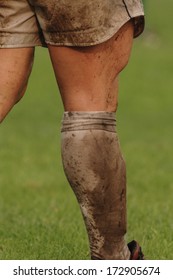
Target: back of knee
20,94
7,101
2,116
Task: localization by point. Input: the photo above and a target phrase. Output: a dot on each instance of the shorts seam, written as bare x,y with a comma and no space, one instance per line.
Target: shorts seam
125,5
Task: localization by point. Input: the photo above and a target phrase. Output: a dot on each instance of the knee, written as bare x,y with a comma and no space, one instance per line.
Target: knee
4,112
7,103
20,94
2,116
125,42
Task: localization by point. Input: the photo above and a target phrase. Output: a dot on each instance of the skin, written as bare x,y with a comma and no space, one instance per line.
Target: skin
16,65
87,76
88,81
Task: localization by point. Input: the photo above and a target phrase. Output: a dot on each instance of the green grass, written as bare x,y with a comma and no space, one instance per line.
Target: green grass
145,127
39,216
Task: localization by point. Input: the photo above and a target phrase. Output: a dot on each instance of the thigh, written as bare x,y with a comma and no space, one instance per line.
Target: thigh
15,68
88,76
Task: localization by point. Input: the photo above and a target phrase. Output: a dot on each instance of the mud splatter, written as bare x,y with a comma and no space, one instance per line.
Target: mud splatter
97,175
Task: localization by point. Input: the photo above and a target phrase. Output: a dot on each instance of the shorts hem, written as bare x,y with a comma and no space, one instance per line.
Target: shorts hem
22,40
69,39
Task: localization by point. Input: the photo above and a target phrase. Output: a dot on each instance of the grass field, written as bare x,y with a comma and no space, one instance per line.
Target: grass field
39,216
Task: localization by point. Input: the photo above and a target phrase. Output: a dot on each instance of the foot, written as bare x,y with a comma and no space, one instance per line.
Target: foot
136,251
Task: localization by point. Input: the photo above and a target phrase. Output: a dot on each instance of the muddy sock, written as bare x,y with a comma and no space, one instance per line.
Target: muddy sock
96,172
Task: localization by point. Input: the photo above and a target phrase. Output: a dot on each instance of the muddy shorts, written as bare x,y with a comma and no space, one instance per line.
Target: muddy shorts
26,23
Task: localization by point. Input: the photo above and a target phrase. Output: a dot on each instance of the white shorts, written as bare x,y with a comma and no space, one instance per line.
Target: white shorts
25,23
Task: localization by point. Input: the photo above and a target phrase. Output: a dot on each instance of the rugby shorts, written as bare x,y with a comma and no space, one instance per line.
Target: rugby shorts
26,23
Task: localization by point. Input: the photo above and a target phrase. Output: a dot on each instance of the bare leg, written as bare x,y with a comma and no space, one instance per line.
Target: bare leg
94,166
88,76
15,68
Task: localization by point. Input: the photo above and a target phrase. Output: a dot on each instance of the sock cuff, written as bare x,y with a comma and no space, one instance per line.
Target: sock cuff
98,120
